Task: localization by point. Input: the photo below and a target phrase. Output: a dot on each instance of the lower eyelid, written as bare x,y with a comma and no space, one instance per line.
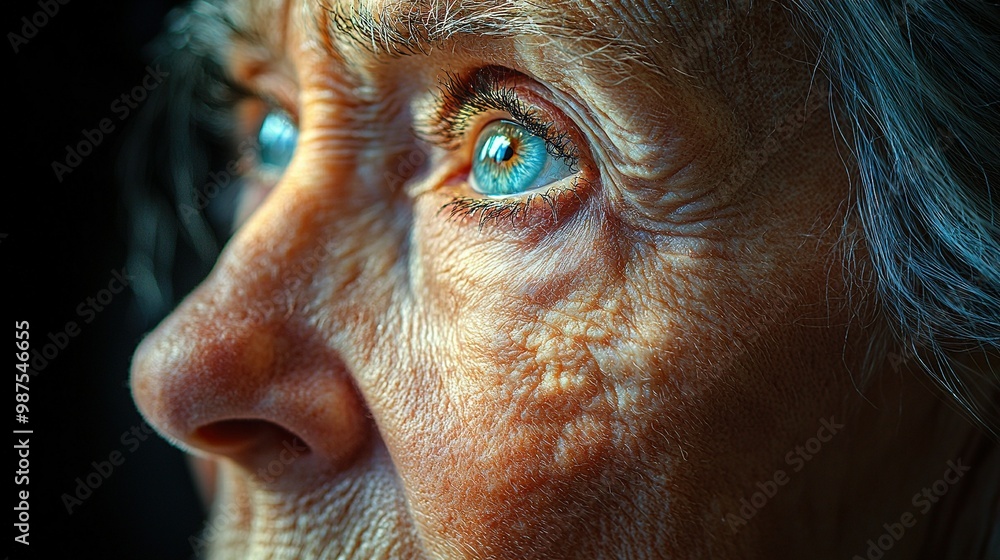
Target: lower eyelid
540,211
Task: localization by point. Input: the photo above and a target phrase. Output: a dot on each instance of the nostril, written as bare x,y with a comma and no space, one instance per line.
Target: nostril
226,436
243,436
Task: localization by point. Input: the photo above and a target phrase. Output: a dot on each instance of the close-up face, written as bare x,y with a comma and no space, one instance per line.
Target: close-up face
540,280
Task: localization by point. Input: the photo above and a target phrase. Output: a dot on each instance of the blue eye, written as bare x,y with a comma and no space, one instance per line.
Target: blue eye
277,139
509,160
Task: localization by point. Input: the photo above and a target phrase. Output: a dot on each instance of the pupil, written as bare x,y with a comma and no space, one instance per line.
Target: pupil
499,149
507,153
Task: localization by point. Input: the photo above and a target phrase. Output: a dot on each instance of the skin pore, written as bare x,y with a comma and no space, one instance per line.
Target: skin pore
602,370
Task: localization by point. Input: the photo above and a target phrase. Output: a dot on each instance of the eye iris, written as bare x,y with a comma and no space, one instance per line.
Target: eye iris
498,148
508,159
277,139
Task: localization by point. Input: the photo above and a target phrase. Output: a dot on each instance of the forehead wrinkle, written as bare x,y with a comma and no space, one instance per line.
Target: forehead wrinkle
606,38
392,28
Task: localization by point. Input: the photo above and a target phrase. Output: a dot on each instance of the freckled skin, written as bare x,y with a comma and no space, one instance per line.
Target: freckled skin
606,385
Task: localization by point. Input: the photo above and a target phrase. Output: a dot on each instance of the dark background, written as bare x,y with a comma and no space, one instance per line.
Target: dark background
63,242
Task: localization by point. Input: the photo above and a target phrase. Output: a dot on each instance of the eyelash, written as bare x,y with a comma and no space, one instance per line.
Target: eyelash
460,102
498,210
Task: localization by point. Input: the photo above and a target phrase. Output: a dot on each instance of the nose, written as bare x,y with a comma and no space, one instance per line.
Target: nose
239,373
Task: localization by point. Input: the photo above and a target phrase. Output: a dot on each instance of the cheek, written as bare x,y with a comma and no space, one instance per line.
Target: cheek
526,427
584,374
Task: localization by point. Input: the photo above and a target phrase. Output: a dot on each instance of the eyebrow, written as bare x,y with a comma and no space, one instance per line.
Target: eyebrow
396,28
401,28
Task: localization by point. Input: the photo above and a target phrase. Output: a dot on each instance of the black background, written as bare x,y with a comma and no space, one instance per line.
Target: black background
63,240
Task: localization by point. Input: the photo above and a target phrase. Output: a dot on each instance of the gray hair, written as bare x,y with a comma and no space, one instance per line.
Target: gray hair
918,89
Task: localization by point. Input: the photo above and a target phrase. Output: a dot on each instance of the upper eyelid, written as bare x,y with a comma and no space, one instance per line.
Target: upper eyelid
251,76
460,99
446,120
282,101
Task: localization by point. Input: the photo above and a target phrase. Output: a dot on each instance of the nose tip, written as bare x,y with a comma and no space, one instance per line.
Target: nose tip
248,392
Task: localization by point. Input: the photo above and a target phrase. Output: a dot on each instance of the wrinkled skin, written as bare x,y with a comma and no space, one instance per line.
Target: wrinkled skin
606,382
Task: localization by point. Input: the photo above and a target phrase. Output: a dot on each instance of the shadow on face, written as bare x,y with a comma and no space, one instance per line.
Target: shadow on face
539,281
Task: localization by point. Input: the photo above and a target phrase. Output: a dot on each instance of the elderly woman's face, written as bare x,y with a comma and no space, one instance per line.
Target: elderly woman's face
542,280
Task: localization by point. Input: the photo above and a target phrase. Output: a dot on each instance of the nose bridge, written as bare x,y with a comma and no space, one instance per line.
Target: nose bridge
240,368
